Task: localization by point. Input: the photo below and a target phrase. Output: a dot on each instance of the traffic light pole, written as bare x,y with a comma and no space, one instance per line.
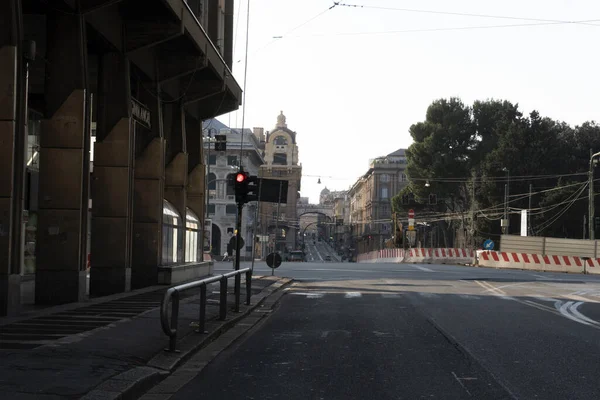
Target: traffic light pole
238,238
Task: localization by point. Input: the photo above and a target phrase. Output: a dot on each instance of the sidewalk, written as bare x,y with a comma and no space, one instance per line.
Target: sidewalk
111,349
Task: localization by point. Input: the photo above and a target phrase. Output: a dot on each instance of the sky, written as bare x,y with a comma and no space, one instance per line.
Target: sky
352,80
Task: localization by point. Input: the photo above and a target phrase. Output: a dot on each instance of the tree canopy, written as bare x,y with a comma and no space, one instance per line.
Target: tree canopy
468,155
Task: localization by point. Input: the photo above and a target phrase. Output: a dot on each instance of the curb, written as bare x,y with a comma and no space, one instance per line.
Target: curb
135,382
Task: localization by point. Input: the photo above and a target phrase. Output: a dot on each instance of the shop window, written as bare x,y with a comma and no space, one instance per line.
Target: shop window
230,209
192,227
172,247
232,160
211,209
212,159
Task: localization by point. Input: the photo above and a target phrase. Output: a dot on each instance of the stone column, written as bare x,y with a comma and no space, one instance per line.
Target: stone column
63,197
176,163
112,181
148,193
10,287
196,171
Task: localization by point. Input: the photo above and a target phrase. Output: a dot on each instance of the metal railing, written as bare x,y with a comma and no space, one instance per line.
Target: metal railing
172,296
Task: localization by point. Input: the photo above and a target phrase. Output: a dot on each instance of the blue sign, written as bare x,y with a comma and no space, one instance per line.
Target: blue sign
488,244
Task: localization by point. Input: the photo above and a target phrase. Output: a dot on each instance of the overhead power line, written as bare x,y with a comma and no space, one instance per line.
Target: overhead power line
472,15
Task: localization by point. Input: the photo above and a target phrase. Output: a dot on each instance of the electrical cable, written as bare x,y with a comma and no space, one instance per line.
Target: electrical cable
461,14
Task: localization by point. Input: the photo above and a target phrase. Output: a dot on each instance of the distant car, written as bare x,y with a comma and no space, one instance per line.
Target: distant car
296,256
327,258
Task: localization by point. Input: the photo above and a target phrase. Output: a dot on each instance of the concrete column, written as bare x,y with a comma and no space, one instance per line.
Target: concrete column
148,194
196,170
177,163
228,39
10,287
112,182
63,189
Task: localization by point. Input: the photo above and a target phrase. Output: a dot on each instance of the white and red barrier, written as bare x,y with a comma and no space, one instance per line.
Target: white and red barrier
439,256
538,262
419,255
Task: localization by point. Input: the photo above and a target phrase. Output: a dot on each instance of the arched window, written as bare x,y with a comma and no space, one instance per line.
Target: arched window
280,141
192,227
211,181
172,230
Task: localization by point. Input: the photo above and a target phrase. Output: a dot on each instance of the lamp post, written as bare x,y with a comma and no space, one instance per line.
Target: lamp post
506,223
591,209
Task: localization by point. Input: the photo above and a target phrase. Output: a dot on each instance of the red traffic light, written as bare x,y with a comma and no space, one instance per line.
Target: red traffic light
240,177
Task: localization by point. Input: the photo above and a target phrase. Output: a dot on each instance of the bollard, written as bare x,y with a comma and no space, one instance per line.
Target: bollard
202,317
223,299
174,320
238,289
248,286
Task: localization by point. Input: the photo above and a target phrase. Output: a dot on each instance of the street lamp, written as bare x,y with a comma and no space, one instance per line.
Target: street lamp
505,222
591,209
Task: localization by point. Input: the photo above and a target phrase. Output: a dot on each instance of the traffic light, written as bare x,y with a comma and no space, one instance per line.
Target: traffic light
220,142
241,187
432,199
252,188
246,187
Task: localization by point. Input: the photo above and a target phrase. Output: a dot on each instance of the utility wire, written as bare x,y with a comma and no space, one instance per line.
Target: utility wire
463,28
279,37
245,81
461,14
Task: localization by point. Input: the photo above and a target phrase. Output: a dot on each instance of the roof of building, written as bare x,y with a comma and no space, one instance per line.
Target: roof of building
398,153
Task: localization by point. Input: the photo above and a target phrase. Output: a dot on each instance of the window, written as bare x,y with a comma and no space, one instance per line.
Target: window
385,178
403,177
212,159
231,209
280,159
211,209
212,181
172,230
231,185
280,141
192,226
384,192
232,160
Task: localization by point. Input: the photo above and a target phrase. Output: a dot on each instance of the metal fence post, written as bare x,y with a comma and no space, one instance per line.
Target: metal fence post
248,286
238,289
202,317
174,321
223,299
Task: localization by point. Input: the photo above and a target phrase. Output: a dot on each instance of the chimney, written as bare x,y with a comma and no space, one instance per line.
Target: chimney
259,133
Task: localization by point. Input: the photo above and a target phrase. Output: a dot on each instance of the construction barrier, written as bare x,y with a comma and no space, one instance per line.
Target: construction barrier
419,255
538,262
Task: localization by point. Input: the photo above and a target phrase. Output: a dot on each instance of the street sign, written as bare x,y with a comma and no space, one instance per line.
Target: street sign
411,214
274,260
411,227
233,240
488,244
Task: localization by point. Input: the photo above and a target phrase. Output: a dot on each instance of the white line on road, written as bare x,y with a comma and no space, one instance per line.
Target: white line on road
423,268
351,295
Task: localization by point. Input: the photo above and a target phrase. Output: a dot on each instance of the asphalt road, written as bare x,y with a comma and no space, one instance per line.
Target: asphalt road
401,331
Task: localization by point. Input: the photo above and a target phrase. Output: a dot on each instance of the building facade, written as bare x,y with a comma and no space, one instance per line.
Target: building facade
280,222
147,77
221,205
370,201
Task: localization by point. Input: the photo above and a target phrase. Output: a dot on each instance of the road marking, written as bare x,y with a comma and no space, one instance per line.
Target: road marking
390,295
423,268
309,295
351,295
459,380
497,292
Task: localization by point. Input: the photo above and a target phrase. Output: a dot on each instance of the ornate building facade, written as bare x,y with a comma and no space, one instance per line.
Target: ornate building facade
281,163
